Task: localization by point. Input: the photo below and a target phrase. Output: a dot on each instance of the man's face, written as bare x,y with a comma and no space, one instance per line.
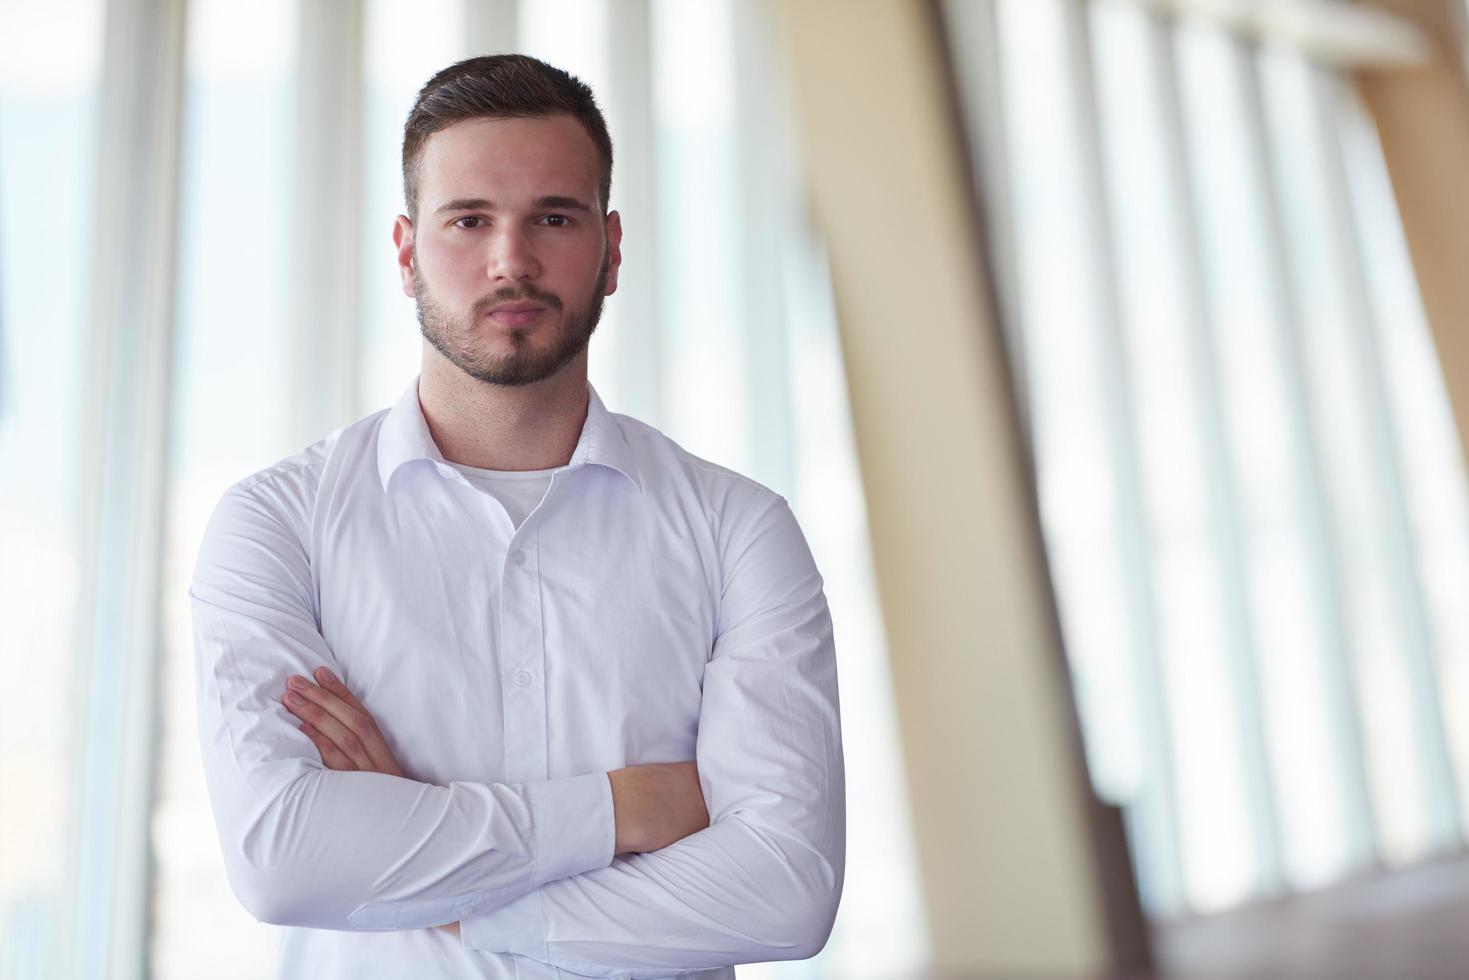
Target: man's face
509,259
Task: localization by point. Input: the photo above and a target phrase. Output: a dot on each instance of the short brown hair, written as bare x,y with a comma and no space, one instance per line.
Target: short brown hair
499,86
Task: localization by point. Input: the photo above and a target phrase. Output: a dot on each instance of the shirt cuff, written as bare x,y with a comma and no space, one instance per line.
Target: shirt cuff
518,928
575,830
574,825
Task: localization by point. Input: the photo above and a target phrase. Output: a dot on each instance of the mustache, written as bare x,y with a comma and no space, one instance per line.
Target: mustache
525,292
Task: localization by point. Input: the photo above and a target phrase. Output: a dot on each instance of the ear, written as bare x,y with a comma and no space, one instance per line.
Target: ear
403,241
614,250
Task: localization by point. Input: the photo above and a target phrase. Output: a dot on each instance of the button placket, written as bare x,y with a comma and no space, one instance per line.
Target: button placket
522,646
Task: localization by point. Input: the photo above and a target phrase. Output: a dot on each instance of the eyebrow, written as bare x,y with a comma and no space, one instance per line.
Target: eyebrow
484,204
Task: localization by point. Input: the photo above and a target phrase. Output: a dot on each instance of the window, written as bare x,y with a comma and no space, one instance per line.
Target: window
50,62
233,342
1252,494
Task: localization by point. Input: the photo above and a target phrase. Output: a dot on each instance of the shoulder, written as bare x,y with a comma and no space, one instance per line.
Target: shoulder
762,566
283,497
666,466
302,473
738,510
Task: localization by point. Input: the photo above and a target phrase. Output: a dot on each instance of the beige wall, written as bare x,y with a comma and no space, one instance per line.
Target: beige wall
999,806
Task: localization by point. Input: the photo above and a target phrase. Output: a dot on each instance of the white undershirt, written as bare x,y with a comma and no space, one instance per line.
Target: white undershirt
519,491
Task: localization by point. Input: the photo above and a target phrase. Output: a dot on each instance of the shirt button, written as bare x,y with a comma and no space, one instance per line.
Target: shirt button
518,558
521,678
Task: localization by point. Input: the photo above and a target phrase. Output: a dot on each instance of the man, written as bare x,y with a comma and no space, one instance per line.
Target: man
496,683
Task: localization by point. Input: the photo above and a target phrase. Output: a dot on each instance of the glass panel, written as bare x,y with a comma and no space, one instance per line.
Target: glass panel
1431,451
705,379
1339,386
1289,618
1081,417
1169,387
232,379
405,45
50,57
1063,346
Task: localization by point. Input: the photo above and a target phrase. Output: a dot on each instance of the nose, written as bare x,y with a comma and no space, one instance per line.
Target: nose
511,257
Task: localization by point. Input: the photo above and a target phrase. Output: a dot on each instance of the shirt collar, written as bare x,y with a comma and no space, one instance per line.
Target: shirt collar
404,437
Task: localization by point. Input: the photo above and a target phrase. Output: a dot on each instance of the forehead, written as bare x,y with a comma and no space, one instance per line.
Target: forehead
505,160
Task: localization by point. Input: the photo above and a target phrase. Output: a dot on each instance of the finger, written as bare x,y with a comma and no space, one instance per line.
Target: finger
331,756
358,722
299,703
377,743
328,680
352,718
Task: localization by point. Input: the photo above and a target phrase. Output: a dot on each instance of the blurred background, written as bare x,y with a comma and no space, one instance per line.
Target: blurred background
1114,355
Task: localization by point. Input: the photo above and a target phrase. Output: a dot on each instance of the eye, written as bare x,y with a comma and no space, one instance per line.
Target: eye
469,221
557,220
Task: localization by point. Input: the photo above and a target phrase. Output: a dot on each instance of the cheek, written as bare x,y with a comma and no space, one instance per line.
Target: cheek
448,273
579,270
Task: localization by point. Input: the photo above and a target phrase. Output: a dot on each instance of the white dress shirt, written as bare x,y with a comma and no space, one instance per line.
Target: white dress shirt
653,607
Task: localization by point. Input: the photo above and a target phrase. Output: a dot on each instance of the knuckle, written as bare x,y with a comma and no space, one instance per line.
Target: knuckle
351,743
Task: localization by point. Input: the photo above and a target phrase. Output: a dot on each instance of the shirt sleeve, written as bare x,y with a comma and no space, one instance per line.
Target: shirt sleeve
762,882
308,846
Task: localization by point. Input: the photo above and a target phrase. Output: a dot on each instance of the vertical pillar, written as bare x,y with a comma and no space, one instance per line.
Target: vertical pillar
325,240
124,457
628,105
1012,869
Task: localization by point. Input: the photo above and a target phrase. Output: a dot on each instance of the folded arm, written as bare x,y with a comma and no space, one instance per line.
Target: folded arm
307,846
763,881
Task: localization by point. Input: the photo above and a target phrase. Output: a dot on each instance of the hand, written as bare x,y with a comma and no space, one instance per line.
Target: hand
655,805
342,730
337,723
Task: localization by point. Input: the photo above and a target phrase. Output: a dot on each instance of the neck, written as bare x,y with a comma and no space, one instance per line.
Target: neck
495,427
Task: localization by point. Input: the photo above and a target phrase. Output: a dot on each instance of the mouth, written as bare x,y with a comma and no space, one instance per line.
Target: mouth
517,314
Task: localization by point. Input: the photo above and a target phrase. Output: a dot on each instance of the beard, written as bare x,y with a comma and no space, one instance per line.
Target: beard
525,364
